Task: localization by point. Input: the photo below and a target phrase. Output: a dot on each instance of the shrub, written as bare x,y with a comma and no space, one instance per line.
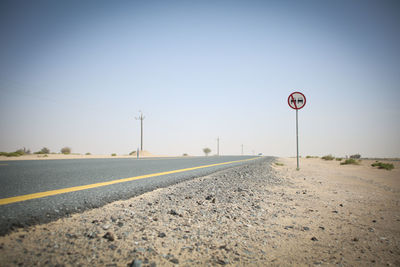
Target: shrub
328,157
133,153
381,165
13,154
66,150
185,154
113,154
44,150
355,156
17,153
279,164
206,151
20,152
88,153
350,161
339,159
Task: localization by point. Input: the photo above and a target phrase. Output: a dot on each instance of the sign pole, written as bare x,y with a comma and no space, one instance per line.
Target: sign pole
297,137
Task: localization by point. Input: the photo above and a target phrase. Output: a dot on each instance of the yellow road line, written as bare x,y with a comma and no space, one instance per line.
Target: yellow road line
5,201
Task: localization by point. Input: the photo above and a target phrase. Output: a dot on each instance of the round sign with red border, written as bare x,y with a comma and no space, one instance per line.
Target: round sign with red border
296,100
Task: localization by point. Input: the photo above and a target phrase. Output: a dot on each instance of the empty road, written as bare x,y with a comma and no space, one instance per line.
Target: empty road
39,191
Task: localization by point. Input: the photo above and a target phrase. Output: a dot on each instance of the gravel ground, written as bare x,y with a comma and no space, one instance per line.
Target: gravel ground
250,215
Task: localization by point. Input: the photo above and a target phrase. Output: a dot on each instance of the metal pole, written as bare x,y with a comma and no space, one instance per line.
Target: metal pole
141,130
297,138
141,118
218,146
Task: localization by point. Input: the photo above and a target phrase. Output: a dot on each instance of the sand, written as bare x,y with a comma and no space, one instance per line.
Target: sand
252,215
142,154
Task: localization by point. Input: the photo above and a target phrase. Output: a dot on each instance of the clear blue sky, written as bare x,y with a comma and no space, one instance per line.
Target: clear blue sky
76,73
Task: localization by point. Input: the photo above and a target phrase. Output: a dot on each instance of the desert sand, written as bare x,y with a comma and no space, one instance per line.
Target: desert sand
260,214
142,154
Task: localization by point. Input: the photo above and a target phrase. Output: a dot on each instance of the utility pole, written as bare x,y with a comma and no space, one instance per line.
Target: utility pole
242,149
141,118
217,146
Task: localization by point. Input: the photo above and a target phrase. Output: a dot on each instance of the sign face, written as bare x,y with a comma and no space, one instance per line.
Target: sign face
296,100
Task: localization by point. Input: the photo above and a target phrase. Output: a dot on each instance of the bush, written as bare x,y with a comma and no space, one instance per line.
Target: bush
339,159
279,164
355,156
20,152
328,157
44,150
17,153
381,165
66,150
113,154
185,154
12,154
350,161
88,154
133,153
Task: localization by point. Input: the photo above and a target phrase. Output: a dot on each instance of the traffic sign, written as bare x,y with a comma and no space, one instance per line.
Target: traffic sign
296,100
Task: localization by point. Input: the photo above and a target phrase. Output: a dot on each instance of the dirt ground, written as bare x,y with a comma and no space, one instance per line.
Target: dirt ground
142,154
254,215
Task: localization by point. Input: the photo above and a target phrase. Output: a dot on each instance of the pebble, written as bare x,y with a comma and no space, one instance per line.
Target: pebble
173,212
106,226
174,260
136,263
109,236
91,235
162,235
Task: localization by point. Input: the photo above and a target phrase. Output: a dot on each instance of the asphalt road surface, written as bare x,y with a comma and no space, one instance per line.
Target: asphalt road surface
39,191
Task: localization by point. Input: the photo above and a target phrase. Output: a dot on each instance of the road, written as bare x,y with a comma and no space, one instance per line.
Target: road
39,191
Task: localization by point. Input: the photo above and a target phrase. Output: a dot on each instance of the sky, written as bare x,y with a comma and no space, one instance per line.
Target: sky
77,73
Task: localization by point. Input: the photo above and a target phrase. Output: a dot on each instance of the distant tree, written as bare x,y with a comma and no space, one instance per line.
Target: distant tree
113,154
356,156
206,151
44,150
66,150
88,153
